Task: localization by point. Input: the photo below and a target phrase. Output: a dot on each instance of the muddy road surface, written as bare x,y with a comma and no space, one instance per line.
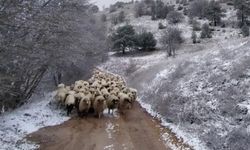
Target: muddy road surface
134,131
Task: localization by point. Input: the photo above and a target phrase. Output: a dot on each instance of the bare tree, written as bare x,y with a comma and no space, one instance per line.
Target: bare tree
37,37
172,39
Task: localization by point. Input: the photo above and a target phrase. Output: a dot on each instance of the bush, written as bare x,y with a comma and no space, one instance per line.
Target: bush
145,41
175,17
172,39
161,26
245,30
206,31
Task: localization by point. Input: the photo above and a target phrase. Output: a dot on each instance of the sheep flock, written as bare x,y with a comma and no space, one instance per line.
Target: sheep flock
103,90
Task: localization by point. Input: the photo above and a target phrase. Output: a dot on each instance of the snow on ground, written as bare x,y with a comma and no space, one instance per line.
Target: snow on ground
110,129
109,147
197,93
16,125
188,138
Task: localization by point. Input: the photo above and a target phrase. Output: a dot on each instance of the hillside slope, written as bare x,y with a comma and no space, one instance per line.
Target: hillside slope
203,92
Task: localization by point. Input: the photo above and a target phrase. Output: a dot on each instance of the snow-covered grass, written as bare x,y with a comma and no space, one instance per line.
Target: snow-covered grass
196,94
16,125
187,137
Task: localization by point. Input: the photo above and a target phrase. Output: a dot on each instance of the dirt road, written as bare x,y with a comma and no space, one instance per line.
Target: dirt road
134,131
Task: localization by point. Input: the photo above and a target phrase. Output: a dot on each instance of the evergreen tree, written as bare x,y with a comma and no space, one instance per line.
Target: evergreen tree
214,12
243,10
123,38
160,10
145,41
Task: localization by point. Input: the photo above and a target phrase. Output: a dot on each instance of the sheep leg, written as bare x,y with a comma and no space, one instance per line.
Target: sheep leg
69,109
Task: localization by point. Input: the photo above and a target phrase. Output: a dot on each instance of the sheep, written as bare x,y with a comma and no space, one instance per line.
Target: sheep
84,105
70,101
96,84
104,83
68,88
104,92
99,105
112,103
77,87
85,84
132,94
61,93
125,102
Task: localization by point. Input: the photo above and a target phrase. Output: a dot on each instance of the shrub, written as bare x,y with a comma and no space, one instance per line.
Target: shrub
206,31
145,41
245,30
175,17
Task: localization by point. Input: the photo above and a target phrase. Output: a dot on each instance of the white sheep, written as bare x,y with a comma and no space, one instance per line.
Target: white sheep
61,94
84,105
99,105
124,102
